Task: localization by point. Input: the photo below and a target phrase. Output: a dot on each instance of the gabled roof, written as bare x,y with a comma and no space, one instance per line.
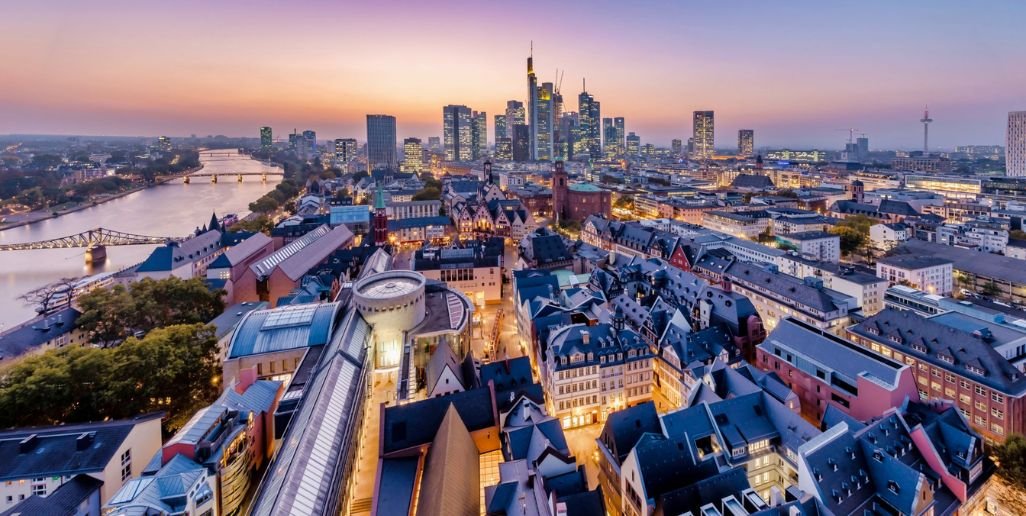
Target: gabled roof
64,450
624,428
451,481
414,424
66,499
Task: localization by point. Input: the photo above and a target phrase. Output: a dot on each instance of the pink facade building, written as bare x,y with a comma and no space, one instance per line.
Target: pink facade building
826,370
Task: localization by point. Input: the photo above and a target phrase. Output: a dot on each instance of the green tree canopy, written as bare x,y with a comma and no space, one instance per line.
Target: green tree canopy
854,232
173,369
110,315
1012,456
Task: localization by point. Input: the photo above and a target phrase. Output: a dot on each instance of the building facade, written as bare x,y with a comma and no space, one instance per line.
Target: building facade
381,142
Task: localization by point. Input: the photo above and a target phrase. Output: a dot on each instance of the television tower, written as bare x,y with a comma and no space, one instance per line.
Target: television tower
926,129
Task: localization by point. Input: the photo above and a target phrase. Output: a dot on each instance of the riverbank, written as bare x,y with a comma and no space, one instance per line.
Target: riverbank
39,215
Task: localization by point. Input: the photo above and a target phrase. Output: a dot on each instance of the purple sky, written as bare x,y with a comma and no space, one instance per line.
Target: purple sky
798,72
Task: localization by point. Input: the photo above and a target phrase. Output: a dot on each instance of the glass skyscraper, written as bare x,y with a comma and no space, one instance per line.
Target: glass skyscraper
479,135
381,142
500,127
590,141
266,139
413,155
457,133
745,143
703,130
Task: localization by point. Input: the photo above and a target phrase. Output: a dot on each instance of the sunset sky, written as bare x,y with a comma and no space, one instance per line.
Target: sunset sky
798,72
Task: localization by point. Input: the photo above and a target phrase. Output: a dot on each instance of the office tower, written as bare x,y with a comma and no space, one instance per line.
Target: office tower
621,135
413,155
500,127
608,138
504,149
266,139
703,129
381,142
1015,144
521,142
567,133
293,139
745,143
590,113
345,151
862,147
479,135
307,145
515,114
457,134
691,146
648,150
633,145
544,125
532,104
434,142
676,147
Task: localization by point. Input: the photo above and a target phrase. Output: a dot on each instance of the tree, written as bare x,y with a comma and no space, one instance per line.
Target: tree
854,232
111,315
173,369
990,289
1012,457
428,193
47,297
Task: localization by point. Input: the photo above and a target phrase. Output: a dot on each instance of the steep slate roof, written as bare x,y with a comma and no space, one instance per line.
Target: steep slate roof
928,340
665,464
752,181
450,484
63,500
34,333
414,424
61,445
786,286
624,428
173,254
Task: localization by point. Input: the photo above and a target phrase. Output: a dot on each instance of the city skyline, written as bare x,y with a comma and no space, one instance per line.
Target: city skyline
232,70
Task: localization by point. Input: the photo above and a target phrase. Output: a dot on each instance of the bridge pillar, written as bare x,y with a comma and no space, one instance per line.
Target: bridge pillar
240,178
186,179
213,178
96,254
263,177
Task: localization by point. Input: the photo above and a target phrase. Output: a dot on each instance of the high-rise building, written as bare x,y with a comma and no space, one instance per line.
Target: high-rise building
621,135
266,138
345,151
381,142
703,129
434,143
413,155
479,135
457,133
862,146
500,127
545,123
745,143
567,133
609,138
293,140
691,145
515,114
1015,144
504,149
521,142
677,147
590,113
307,145
633,145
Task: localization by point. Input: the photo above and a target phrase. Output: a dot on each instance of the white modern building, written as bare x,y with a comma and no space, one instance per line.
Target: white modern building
927,273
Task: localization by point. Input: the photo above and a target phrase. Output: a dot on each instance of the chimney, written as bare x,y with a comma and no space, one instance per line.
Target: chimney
84,440
246,378
585,337
726,284
27,444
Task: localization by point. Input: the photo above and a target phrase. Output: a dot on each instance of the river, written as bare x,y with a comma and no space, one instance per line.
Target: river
171,209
